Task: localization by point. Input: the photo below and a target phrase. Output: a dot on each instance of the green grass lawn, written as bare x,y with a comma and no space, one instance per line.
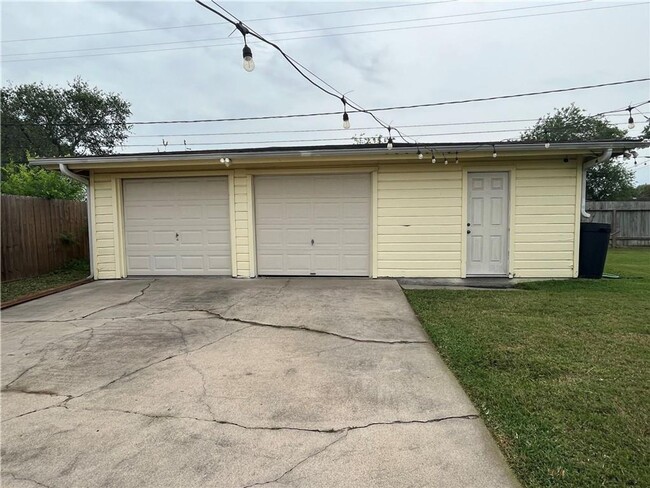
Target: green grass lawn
75,271
558,369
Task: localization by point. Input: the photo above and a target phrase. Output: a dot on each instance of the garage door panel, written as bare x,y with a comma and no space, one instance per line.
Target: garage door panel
195,209
331,210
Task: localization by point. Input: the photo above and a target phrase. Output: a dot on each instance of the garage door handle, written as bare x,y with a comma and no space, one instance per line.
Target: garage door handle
469,231
176,235
312,242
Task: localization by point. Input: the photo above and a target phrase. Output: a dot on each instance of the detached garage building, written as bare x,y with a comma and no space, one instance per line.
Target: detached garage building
349,210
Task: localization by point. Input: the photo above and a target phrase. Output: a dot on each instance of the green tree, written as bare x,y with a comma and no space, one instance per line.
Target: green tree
645,134
610,180
643,192
20,179
47,121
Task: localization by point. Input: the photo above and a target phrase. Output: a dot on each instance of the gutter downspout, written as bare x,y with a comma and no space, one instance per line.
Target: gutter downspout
86,182
585,166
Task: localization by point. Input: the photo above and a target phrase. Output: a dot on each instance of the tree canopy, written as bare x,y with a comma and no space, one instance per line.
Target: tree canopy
45,121
609,180
20,179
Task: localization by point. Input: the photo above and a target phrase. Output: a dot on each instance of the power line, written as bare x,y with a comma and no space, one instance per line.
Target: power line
323,139
419,19
367,9
329,35
309,131
403,107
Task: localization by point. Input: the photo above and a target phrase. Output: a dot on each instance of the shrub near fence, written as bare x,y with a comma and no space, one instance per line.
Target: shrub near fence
40,236
630,221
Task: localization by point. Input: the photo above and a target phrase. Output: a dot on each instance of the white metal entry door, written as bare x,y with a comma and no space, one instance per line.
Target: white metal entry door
177,226
487,224
313,225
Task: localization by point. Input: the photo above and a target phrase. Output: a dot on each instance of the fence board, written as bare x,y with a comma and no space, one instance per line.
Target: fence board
630,221
33,239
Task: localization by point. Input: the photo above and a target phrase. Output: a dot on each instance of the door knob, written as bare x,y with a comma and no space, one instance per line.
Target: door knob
312,242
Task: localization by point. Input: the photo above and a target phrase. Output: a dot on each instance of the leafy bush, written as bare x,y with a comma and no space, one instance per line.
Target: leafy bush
20,179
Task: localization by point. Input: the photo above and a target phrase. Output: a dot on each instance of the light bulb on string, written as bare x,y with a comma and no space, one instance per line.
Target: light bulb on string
494,151
249,64
433,157
420,155
446,160
456,157
630,121
389,145
346,117
547,143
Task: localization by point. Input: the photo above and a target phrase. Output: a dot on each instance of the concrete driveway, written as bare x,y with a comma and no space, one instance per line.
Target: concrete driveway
194,382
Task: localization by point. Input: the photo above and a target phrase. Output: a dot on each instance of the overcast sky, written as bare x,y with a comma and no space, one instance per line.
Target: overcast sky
185,76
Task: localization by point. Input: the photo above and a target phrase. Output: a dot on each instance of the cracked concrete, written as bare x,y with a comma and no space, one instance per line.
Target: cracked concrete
221,382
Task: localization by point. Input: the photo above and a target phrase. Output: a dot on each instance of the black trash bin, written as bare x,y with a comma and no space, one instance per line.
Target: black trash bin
594,240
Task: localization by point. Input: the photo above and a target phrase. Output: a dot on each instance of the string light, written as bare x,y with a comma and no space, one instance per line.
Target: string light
446,160
433,157
346,117
420,155
494,151
547,144
630,121
389,146
456,157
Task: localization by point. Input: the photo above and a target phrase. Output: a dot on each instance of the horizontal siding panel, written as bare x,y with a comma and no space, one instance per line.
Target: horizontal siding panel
419,202
545,219
551,246
436,256
543,255
242,258
534,236
428,265
419,185
545,264
104,227
546,181
436,238
418,273
532,228
241,206
540,172
415,247
104,218
106,259
101,243
546,210
448,192
544,273
241,224
546,191
418,211
419,229
409,221
103,210
426,168
105,251
545,200
420,176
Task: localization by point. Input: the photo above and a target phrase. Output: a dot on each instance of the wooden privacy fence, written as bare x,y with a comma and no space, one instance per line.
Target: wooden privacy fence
39,235
630,221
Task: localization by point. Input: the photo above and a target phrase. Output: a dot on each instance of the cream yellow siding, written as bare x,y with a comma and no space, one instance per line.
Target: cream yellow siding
104,247
417,216
242,231
419,220
544,222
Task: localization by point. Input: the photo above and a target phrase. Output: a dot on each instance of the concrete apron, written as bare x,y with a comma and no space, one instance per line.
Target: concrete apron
219,382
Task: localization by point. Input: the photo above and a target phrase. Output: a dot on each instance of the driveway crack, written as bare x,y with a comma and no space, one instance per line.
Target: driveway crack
254,323
17,478
131,300
302,461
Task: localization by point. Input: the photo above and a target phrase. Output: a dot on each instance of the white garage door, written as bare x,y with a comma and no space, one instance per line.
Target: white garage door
177,226
313,225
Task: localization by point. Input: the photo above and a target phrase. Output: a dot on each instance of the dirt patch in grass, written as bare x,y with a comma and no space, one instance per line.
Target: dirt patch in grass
75,271
559,371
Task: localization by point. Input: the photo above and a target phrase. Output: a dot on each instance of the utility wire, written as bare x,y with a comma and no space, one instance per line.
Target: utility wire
330,35
419,19
367,9
403,107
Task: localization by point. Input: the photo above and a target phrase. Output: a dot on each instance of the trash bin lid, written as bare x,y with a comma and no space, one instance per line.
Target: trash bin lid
595,227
